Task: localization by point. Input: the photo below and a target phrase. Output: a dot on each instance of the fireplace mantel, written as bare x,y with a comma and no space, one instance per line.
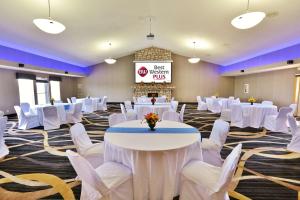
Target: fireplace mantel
163,89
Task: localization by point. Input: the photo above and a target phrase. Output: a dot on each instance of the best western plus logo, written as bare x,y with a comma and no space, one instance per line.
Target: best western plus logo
143,71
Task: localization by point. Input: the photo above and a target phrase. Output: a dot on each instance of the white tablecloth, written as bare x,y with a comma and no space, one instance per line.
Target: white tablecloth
257,113
156,159
61,111
158,108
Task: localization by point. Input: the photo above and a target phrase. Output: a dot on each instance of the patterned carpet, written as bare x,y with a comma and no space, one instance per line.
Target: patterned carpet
37,167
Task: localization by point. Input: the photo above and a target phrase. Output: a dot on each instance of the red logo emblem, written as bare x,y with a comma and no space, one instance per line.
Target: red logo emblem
143,71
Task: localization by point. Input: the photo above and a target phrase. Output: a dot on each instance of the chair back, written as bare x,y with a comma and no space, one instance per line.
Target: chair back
237,100
267,102
1,113
171,116
68,100
134,99
181,114
199,98
19,112
228,168
86,172
80,138
283,112
294,108
50,118
3,121
128,105
25,107
122,109
78,112
88,102
293,124
173,98
142,111
174,105
219,132
116,118
73,99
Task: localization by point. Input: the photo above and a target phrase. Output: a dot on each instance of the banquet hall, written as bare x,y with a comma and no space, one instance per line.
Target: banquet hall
150,100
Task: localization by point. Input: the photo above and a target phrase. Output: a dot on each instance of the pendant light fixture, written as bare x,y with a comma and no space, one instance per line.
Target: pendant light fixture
110,60
248,19
194,59
150,36
49,25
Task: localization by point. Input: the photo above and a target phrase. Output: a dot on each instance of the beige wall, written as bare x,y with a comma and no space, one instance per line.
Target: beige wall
9,89
277,86
190,80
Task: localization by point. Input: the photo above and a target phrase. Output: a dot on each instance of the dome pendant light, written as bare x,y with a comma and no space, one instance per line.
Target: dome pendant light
110,60
248,19
194,59
49,25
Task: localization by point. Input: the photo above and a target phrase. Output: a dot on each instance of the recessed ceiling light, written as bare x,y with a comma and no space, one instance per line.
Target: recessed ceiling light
49,25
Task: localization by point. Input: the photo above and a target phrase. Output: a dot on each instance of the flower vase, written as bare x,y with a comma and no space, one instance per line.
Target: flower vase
251,103
52,102
152,126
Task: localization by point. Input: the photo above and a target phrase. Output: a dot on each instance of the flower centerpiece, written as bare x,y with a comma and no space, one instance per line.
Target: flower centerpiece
153,100
151,119
252,100
52,101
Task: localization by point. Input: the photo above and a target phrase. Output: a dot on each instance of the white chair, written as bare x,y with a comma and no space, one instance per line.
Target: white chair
203,181
277,123
3,148
128,105
216,106
130,114
88,106
181,114
26,121
84,146
50,118
174,106
73,99
134,99
75,115
294,145
58,101
1,113
102,105
142,111
211,148
110,181
226,112
239,118
68,100
171,116
294,109
201,104
231,98
267,102
116,118
173,99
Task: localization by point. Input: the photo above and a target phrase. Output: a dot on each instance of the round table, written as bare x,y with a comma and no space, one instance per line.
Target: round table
155,158
257,113
158,108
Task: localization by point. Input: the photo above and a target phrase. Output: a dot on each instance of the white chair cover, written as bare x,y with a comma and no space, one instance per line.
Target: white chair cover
87,105
84,146
161,99
102,105
277,123
201,104
130,114
226,111
50,118
267,102
143,111
26,121
1,113
3,148
212,147
294,145
173,99
293,125
73,99
216,107
58,101
238,118
203,181
25,108
171,116
174,105
294,108
181,114
75,116
134,99
68,100
128,105
116,118
110,181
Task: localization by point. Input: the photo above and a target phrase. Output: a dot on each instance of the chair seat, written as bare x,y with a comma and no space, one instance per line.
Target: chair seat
203,174
208,144
97,148
113,174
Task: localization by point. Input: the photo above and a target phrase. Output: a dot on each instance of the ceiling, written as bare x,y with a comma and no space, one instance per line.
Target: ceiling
91,24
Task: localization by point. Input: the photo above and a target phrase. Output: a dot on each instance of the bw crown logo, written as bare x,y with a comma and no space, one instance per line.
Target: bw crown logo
143,71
